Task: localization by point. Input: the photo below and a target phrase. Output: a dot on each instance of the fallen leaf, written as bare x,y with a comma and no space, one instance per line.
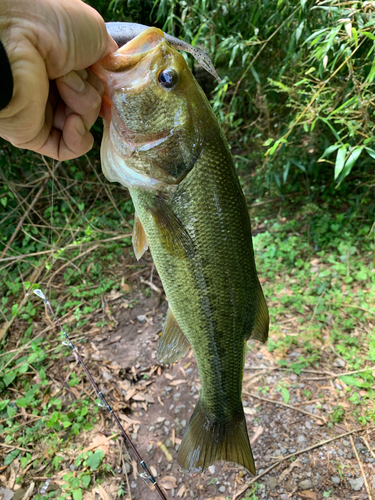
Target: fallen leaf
307,494
138,397
258,432
99,441
169,376
125,287
153,471
29,491
130,393
149,398
168,482
249,411
181,491
104,495
129,420
296,463
178,382
113,295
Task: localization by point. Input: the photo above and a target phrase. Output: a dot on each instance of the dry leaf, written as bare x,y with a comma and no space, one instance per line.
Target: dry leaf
348,28
178,382
169,376
307,494
103,494
296,463
113,295
99,441
181,491
168,482
29,491
249,411
258,432
130,393
125,287
149,398
138,397
129,420
153,471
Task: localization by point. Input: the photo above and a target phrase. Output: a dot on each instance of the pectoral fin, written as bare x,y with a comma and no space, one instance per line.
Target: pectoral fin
174,237
173,344
140,243
261,325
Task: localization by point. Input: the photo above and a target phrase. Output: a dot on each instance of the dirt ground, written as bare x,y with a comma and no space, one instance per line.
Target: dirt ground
298,455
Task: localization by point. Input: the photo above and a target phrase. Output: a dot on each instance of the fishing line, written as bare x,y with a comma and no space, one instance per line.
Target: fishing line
146,474
52,208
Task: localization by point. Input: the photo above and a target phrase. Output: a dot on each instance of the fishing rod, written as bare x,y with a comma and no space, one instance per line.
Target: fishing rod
145,475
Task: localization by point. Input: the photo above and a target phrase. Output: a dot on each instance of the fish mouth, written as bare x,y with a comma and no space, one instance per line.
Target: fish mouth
121,69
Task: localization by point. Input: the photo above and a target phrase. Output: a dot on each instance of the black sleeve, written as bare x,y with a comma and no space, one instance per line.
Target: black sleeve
6,79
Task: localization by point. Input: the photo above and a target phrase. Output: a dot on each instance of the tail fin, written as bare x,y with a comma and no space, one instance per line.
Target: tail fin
207,440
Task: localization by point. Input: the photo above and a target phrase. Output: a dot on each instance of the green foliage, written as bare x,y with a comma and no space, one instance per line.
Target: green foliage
337,415
297,83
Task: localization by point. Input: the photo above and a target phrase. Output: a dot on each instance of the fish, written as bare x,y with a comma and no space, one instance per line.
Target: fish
163,142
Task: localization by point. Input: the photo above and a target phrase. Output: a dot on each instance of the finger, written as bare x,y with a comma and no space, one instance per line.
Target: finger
73,141
82,96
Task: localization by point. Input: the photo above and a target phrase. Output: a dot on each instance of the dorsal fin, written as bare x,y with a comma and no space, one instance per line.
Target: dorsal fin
173,344
262,320
140,243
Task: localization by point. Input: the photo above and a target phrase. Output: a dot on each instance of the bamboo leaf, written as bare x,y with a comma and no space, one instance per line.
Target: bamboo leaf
340,160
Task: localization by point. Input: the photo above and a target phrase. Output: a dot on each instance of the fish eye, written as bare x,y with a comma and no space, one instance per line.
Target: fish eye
168,78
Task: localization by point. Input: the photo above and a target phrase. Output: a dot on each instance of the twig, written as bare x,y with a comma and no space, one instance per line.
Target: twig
21,415
69,262
16,447
368,445
72,245
321,419
122,459
300,452
361,467
337,375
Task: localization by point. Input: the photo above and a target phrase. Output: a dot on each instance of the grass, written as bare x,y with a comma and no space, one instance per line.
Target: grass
315,262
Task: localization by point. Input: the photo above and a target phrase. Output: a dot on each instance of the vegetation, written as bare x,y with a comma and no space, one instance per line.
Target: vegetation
296,103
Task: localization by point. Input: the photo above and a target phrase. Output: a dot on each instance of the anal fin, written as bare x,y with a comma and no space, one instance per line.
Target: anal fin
207,439
140,243
173,344
262,320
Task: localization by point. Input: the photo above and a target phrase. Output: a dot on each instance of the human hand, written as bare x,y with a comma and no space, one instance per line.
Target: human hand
56,98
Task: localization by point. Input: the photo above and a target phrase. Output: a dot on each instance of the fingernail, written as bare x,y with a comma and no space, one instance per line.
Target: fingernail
74,81
80,127
83,74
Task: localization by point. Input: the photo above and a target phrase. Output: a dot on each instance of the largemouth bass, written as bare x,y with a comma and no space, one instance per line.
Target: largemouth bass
162,141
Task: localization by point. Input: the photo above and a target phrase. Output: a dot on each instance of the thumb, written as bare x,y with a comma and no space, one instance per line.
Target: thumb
80,41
